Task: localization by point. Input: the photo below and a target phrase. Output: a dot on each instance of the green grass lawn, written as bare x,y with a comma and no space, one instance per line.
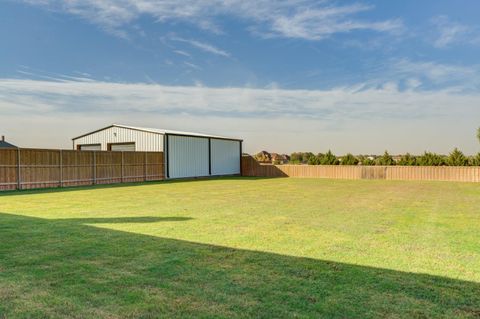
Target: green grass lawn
242,247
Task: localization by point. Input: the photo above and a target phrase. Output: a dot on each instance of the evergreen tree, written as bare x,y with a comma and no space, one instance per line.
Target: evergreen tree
328,159
306,157
431,159
385,159
407,160
475,160
364,160
457,158
349,159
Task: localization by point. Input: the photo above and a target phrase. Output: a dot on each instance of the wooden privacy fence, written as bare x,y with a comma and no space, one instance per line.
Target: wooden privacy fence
40,168
250,167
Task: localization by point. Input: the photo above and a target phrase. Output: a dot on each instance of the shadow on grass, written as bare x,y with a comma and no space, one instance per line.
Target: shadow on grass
62,268
119,185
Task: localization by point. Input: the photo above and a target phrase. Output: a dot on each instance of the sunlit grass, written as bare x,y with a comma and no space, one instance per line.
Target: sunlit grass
243,247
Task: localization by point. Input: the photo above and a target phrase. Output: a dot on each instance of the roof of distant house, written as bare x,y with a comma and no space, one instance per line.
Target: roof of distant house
4,144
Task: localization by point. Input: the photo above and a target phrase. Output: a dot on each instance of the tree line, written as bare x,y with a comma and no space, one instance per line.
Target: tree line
455,158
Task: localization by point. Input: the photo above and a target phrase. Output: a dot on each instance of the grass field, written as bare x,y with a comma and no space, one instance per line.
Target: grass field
242,247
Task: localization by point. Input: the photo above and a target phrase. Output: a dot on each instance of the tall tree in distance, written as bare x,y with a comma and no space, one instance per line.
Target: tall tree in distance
478,134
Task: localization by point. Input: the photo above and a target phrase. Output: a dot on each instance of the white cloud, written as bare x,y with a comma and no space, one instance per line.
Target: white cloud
428,75
317,24
388,118
203,46
450,32
180,52
434,71
306,19
191,65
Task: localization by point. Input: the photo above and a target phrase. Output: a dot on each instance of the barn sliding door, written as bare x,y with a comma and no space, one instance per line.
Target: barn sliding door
187,156
225,157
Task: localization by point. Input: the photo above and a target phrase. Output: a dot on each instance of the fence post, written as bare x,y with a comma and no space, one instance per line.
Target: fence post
19,180
145,167
61,168
94,167
122,168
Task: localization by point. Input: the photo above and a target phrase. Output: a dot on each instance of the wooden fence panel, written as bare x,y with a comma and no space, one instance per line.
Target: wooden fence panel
40,168
108,166
134,167
250,167
8,169
155,166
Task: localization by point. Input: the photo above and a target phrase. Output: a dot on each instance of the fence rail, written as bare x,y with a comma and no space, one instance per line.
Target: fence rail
250,167
39,168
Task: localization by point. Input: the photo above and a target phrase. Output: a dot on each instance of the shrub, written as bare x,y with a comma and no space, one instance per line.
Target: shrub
365,160
328,159
407,160
475,160
349,159
385,159
431,159
296,158
457,158
315,159
301,157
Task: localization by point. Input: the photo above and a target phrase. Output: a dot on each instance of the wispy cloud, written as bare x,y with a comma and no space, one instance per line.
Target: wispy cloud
203,46
320,23
191,65
310,119
436,72
306,19
180,52
450,32
426,75
345,102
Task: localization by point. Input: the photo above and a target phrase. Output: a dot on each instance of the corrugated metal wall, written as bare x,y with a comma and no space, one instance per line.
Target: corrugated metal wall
225,157
187,156
144,141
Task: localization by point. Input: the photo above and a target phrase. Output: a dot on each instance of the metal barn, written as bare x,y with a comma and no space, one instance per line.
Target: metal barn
187,154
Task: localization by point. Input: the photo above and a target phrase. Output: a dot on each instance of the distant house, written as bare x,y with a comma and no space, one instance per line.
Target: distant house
279,158
4,144
275,158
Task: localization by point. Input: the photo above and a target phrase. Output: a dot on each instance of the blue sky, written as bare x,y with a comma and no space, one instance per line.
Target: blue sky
351,76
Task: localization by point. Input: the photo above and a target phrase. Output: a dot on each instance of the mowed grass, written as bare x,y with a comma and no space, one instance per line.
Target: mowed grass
242,247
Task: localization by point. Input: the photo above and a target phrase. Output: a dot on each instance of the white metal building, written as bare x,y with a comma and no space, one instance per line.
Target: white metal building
186,154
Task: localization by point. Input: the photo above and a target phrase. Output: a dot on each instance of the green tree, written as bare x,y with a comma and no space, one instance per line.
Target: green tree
296,158
314,159
457,158
349,159
407,160
478,134
431,159
385,159
328,159
475,160
364,160
306,157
